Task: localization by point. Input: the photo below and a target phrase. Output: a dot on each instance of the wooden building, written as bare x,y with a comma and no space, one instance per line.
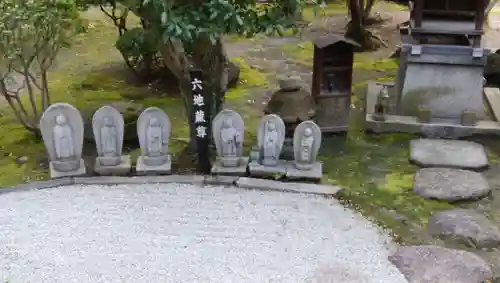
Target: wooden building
332,81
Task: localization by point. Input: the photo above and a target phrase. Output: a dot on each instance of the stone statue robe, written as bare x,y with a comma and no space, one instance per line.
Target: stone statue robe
154,137
231,140
109,140
306,148
63,141
270,145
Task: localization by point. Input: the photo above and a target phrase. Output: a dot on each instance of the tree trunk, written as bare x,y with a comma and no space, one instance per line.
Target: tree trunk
356,29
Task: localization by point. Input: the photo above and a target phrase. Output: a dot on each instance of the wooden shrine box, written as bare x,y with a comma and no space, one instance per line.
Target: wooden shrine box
448,17
332,80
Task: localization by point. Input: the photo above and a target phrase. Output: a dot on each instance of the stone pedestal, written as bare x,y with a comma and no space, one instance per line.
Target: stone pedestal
78,171
144,169
314,173
122,168
239,170
258,170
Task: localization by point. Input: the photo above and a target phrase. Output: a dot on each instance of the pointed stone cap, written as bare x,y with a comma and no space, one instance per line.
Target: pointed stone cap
290,83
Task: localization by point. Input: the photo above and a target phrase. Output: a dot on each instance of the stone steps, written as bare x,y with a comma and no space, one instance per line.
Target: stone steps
450,172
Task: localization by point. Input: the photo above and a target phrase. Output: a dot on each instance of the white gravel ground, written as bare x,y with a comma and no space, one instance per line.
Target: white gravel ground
184,233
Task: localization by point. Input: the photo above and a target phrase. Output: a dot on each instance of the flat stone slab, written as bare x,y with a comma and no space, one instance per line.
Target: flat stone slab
450,184
448,153
435,264
263,184
186,233
55,174
258,170
123,168
316,173
465,226
143,169
240,170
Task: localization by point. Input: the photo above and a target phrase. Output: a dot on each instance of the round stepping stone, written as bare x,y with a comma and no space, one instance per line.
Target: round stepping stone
450,184
465,226
448,153
440,265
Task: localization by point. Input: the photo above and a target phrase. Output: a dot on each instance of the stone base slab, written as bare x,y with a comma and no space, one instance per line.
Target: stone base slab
316,173
55,174
260,170
143,169
123,168
407,124
240,170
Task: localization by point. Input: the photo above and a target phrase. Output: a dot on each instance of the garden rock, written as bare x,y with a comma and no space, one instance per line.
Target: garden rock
492,69
435,264
130,112
465,226
448,153
450,184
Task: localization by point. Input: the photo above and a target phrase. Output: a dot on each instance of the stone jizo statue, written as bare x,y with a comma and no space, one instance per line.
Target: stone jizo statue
109,138
270,152
306,146
63,138
154,136
231,139
61,126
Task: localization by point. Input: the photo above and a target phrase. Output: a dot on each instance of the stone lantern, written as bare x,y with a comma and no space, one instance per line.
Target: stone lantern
294,104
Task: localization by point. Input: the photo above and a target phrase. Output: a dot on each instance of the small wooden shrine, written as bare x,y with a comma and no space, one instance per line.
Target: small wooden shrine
332,80
447,17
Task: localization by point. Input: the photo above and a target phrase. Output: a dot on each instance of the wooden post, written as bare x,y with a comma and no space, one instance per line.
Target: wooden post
202,106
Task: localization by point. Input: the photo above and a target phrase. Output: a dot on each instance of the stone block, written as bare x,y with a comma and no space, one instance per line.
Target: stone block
143,169
55,174
258,170
221,180
315,173
123,168
240,170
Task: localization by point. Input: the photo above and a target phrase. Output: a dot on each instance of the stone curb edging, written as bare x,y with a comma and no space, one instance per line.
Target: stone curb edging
240,182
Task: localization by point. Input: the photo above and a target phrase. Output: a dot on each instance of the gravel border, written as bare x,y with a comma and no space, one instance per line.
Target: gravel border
240,182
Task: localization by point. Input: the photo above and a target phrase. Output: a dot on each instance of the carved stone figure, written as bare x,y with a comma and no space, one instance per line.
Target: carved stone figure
306,144
62,130
231,139
108,129
153,129
154,138
270,154
63,138
270,138
109,138
228,130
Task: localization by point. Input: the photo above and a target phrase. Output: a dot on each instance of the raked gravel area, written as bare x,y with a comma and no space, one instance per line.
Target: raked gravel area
186,233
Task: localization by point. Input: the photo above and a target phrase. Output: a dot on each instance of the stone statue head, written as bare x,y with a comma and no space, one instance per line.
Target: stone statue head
108,121
153,122
228,123
61,120
307,132
271,126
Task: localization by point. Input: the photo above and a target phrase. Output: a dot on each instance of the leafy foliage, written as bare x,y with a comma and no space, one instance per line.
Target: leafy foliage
188,21
137,43
31,34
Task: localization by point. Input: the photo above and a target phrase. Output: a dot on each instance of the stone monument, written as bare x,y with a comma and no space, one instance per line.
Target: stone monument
306,144
108,127
228,131
62,130
294,104
270,138
153,130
